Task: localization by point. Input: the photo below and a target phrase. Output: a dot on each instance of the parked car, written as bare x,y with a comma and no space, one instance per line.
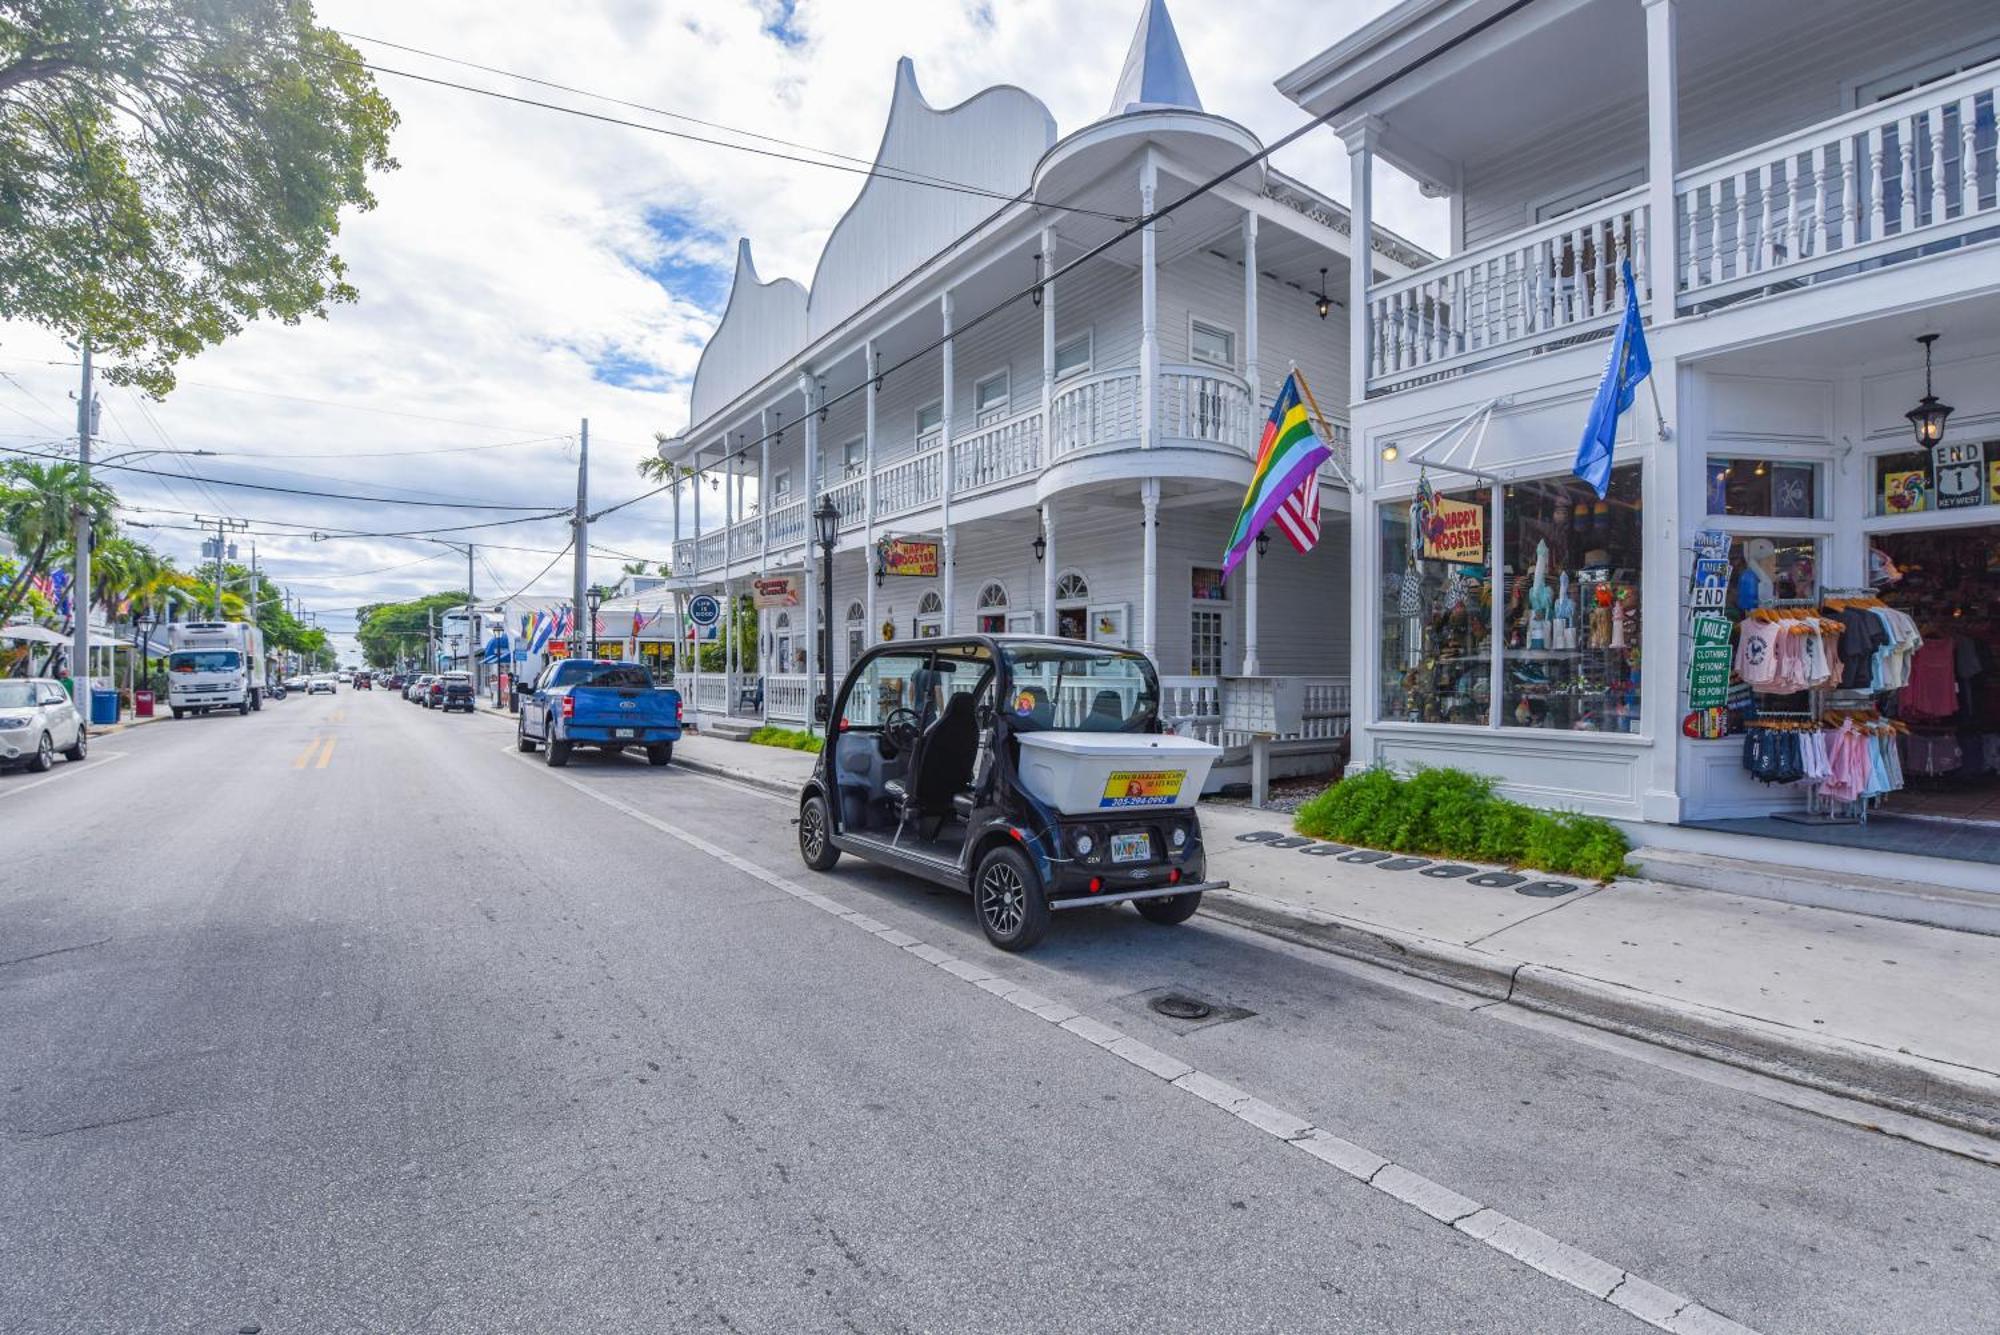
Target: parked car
454,691
1031,772
344,677
298,683
610,706
419,689
321,685
36,721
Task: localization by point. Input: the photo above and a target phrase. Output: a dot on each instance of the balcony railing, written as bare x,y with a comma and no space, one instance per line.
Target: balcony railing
1532,290
711,550
1094,410
1195,404
1893,176
711,693
788,696
909,484
788,527
684,557
998,452
746,540
850,498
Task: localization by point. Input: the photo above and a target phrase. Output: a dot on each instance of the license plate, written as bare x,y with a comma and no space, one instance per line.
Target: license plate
1142,788
1131,847
624,732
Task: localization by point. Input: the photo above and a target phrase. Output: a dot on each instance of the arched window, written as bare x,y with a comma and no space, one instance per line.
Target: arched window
856,612
932,605
930,616
993,609
1072,614
993,595
1072,587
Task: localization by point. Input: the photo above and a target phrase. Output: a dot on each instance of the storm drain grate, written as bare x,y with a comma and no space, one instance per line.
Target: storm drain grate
1177,1007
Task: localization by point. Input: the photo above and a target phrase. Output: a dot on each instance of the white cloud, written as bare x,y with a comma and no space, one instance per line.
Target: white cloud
505,259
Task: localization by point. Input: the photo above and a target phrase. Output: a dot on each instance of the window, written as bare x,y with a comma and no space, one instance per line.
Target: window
1572,200
1073,355
1206,585
1072,616
1072,587
1211,344
1079,689
1763,488
204,660
1572,610
989,398
853,459
1437,653
1205,643
930,616
1963,474
930,424
781,486
993,609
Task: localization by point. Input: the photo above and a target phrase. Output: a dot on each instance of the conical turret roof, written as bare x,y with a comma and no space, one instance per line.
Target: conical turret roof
1156,73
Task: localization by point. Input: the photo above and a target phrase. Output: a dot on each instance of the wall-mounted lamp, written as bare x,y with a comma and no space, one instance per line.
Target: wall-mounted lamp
1041,546
1321,301
1036,295
1263,544
1928,416
1389,454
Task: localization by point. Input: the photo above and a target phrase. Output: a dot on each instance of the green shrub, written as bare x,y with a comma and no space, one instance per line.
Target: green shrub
790,739
1450,813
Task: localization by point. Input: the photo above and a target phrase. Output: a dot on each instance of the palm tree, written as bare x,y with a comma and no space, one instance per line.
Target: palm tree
633,568
39,503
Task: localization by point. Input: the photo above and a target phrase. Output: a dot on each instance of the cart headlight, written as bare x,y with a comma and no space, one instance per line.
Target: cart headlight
1178,838
1083,843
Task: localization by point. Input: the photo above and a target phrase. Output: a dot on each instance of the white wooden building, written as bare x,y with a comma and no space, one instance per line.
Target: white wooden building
1803,190
1078,452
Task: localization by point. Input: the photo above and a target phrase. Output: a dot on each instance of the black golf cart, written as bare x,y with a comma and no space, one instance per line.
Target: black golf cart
1032,772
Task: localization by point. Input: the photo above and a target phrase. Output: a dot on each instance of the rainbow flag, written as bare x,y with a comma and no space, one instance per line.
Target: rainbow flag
1287,458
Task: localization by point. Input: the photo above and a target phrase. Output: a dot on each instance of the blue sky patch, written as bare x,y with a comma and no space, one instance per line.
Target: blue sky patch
679,266
780,25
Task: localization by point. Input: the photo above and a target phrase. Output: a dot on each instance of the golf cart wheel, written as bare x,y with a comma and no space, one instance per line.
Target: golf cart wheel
557,754
661,753
1171,911
816,848
1006,892
82,747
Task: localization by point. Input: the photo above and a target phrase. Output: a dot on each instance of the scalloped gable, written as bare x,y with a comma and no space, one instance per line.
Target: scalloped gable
991,140
763,324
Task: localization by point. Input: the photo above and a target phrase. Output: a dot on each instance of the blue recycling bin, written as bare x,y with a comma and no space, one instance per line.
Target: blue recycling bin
103,707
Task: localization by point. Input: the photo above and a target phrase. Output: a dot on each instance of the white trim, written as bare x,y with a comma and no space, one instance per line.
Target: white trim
1214,327
1063,601
937,431
854,458
983,606
983,413
1908,75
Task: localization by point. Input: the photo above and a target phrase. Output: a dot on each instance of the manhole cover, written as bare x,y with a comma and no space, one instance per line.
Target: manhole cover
1545,889
1177,1007
1326,850
1260,836
1449,869
1402,864
1288,841
1497,880
1363,855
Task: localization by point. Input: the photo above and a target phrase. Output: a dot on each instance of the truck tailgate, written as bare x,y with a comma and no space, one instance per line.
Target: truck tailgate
622,707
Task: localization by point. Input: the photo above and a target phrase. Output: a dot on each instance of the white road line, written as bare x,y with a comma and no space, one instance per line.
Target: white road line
1601,1279
96,757
748,790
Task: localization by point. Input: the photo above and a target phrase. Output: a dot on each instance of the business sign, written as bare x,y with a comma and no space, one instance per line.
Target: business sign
908,556
1712,544
778,591
556,649
1455,531
1708,662
1993,482
1709,588
704,610
1958,474
1905,492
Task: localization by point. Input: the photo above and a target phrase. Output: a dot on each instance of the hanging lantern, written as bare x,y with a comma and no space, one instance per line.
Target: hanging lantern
1929,415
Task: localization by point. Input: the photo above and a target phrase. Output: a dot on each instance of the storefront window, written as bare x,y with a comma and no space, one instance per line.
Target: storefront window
1763,571
1763,488
1903,482
1572,614
1437,656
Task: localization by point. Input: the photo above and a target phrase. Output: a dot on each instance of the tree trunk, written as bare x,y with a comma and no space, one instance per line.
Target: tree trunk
15,593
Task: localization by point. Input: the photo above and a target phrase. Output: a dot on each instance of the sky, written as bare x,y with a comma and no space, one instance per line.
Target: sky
524,270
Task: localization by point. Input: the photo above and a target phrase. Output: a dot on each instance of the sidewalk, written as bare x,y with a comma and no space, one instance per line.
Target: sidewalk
1900,1015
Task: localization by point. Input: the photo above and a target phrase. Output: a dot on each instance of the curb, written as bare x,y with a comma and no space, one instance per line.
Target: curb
1953,1096
716,771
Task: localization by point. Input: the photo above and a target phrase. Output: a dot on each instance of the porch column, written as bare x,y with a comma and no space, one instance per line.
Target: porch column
1663,232
673,555
1049,568
1254,380
871,363
810,389
1360,140
1048,345
1149,501
945,570
729,645
697,587
1149,307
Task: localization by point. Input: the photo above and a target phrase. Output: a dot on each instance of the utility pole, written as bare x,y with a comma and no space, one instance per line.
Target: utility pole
580,584
471,626
79,594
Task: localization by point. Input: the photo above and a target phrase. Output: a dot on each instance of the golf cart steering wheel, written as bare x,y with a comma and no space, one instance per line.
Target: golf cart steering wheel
900,728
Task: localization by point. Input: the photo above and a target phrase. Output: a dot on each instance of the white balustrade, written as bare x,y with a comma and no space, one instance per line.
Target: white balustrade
788,696
711,550
1531,290
684,557
788,526
1203,404
1192,706
746,540
1094,410
1889,177
850,499
909,484
1285,708
997,452
711,693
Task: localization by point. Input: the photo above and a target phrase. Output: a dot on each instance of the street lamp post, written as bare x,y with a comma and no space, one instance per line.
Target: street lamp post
826,527
595,599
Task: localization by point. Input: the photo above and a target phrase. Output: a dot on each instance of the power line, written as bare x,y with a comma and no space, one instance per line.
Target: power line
543,571
320,495
353,407
888,174
383,454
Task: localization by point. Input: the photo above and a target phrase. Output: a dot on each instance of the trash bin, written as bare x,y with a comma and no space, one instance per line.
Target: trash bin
103,707
142,704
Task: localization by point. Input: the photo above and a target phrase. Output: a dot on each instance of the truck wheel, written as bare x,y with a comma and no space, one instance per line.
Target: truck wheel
180,713
1171,911
257,701
44,758
522,742
1013,909
557,755
816,848
660,754
243,710
82,747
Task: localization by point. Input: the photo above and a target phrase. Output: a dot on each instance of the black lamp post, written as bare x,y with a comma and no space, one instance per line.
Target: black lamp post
593,599
1929,415
826,528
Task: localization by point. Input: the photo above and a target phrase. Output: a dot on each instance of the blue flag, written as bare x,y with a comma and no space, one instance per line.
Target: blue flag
1626,366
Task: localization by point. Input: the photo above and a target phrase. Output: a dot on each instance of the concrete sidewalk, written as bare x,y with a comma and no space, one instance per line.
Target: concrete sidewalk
1901,1015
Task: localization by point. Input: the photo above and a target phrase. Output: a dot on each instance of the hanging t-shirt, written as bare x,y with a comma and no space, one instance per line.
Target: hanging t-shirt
1757,653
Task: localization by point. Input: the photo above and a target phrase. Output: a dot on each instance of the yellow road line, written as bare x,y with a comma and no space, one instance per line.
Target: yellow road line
326,755
305,756
315,755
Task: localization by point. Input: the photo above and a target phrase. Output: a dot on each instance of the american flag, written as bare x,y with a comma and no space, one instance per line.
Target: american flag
1298,516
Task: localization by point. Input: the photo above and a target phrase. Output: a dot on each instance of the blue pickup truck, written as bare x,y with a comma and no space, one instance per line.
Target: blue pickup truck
582,702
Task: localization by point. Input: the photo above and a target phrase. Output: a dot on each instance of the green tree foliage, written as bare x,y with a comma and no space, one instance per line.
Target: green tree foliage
38,504
392,633
172,169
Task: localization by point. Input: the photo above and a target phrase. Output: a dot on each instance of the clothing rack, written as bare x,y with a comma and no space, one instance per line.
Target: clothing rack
1818,810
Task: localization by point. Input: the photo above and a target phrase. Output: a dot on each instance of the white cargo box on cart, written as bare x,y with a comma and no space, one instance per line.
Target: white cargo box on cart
1086,773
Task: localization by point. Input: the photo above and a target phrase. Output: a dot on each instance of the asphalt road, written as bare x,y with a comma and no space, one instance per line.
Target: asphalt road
343,1017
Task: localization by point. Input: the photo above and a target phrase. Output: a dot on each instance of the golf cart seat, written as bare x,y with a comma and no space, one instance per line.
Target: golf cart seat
943,761
1106,707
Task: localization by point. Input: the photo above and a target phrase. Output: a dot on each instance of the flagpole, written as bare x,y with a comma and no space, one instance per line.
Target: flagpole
1666,432
1306,390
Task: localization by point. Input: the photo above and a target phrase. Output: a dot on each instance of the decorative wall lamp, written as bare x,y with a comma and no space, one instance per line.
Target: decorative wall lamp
1263,543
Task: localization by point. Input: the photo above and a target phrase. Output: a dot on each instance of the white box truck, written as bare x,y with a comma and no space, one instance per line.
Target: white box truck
214,665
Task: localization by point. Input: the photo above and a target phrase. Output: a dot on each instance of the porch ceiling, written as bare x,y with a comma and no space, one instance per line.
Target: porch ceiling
1887,341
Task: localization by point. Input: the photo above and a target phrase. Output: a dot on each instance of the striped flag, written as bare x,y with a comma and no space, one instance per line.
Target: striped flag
1298,517
1288,457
